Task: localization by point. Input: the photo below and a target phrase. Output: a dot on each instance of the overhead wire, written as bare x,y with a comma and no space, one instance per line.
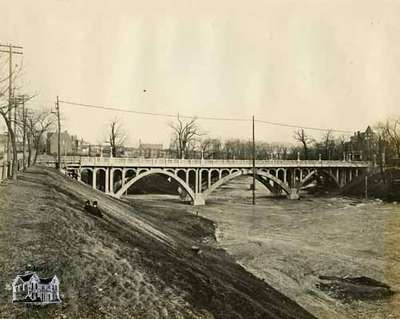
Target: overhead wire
211,118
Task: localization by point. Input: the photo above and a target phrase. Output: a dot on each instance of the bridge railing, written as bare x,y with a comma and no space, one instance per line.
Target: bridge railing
167,162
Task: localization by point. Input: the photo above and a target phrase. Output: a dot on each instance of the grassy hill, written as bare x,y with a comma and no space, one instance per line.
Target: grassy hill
135,262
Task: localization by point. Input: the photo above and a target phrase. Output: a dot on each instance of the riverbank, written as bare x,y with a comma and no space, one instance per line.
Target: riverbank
383,185
290,244
135,262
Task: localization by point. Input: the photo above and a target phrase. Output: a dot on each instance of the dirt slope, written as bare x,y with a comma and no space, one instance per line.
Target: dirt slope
125,265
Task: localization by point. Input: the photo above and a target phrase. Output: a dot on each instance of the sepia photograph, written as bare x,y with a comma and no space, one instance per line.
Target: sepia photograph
200,159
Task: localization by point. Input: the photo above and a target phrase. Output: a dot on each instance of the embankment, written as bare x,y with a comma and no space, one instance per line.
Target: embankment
135,262
385,186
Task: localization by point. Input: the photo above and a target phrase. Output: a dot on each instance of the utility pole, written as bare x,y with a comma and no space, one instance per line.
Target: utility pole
12,49
20,99
10,71
24,115
15,102
254,166
23,134
58,165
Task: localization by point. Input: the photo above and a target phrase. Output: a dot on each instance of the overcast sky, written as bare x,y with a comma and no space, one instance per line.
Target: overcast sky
332,64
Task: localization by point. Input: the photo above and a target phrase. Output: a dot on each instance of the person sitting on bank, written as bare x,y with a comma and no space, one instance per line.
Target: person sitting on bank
93,209
87,205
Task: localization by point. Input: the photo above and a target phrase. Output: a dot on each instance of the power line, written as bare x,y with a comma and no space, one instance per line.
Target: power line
118,109
303,127
113,108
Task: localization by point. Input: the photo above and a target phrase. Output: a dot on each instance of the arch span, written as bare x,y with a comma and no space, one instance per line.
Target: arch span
307,178
229,177
154,171
315,173
333,177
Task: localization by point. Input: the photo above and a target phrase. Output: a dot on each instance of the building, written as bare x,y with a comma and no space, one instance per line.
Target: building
69,143
146,151
83,148
362,145
30,288
151,150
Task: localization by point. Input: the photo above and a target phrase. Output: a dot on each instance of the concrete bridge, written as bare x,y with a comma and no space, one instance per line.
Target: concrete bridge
199,178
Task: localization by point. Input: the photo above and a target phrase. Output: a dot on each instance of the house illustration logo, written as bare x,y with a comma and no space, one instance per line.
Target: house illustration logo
30,288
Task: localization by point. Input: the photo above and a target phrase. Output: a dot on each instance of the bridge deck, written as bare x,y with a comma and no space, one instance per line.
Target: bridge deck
74,161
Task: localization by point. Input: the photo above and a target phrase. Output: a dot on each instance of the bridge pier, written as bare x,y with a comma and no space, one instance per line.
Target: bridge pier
94,177
294,194
198,200
107,181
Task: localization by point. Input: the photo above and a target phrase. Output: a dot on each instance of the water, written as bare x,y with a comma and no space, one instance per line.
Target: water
291,243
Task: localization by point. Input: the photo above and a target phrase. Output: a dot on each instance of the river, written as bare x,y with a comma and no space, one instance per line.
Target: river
289,243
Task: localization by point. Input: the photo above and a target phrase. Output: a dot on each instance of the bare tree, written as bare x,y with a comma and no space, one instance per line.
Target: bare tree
116,137
7,106
328,143
301,136
185,134
210,147
391,131
38,123
5,111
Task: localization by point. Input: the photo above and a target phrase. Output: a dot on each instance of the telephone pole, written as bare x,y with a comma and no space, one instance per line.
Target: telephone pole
12,49
58,165
254,166
20,99
23,134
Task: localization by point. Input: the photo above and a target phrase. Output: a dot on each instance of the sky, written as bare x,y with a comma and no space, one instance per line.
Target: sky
332,64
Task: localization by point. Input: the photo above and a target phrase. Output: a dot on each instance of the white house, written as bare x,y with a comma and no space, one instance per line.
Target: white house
30,288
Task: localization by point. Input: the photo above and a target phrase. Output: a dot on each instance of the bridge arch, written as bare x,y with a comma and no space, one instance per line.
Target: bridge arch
333,177
155,171
86,175
85,169
229,177
141,171
307,178
315,173
128,173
